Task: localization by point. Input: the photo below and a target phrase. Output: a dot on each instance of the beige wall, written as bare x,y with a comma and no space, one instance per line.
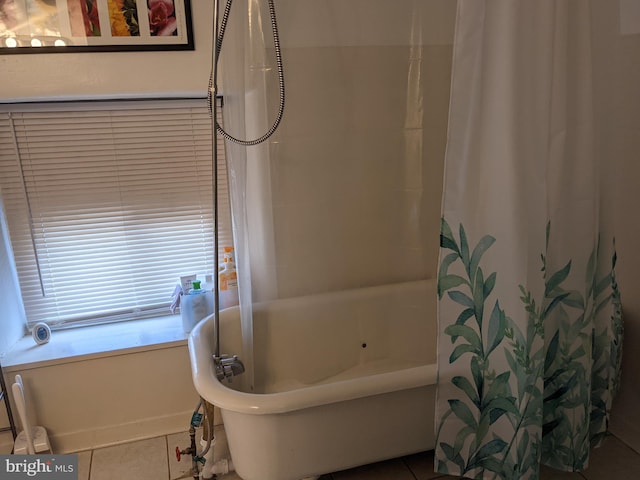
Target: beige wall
90,403
128,74
618,112
357,183
356,166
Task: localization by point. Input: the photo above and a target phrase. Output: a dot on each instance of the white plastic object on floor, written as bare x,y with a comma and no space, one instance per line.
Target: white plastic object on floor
30,440
211,467
220,467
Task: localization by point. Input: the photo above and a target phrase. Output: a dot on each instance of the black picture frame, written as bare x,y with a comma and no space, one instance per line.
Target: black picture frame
73,26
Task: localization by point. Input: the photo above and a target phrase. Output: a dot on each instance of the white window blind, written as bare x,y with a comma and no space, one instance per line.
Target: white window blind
108,204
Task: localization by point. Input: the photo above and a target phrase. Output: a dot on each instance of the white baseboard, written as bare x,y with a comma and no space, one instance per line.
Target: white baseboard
6,443
68,442
78,441
117,434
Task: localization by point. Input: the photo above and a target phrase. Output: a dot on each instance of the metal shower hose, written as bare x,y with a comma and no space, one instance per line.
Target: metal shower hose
218,37
213,86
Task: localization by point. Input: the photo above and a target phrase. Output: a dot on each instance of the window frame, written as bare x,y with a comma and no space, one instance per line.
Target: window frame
14,213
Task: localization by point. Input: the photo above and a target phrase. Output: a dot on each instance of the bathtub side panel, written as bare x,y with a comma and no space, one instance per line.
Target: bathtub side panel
331,437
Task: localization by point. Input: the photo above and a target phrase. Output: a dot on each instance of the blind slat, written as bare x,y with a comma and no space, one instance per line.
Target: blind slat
120,200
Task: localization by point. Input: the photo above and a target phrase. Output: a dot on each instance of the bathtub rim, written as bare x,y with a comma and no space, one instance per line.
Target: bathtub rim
212,390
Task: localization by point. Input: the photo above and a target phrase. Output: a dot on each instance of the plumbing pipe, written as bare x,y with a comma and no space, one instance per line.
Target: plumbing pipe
209,423
214,177
192,448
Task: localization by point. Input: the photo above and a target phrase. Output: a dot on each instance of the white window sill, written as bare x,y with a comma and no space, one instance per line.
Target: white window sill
78,344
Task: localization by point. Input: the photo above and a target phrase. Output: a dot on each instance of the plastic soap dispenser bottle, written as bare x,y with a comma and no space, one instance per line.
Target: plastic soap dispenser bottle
195,305
228,280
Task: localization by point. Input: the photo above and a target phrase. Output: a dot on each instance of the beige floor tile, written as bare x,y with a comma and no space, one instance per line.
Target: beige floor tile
421,464
613,461
183,468
141,460
547,473
84,464
229,476
154,459
389,470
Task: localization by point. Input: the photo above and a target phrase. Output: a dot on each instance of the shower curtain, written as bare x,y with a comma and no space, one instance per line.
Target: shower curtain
346,193
530,323
245,70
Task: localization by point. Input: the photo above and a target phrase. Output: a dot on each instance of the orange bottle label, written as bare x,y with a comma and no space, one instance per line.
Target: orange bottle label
228,280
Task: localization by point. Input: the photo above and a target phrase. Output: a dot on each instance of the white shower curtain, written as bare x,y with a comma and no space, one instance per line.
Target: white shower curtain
245,69
530,320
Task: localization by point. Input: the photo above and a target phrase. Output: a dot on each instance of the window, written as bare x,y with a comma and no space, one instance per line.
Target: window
108,204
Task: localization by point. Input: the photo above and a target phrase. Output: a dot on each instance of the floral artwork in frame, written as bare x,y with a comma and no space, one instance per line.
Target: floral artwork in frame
58,26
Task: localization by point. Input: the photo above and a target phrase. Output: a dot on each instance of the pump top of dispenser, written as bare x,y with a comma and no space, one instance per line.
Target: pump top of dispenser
195,287
228,255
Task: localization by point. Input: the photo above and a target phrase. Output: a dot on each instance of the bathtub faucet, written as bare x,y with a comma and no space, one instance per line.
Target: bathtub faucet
227,367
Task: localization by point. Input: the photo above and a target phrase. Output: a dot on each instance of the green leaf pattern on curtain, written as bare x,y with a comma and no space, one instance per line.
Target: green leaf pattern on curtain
541,393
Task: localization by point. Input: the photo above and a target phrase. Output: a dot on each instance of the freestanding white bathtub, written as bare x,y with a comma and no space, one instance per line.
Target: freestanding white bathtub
341,380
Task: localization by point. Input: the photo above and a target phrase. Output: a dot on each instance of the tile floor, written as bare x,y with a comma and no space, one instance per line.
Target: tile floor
154,459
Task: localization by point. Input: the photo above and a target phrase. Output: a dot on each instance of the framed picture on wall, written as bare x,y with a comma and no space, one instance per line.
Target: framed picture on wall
62,26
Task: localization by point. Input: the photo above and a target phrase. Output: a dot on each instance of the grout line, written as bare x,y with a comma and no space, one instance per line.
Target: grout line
90,464
330,476
406,465
625,444
166,451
